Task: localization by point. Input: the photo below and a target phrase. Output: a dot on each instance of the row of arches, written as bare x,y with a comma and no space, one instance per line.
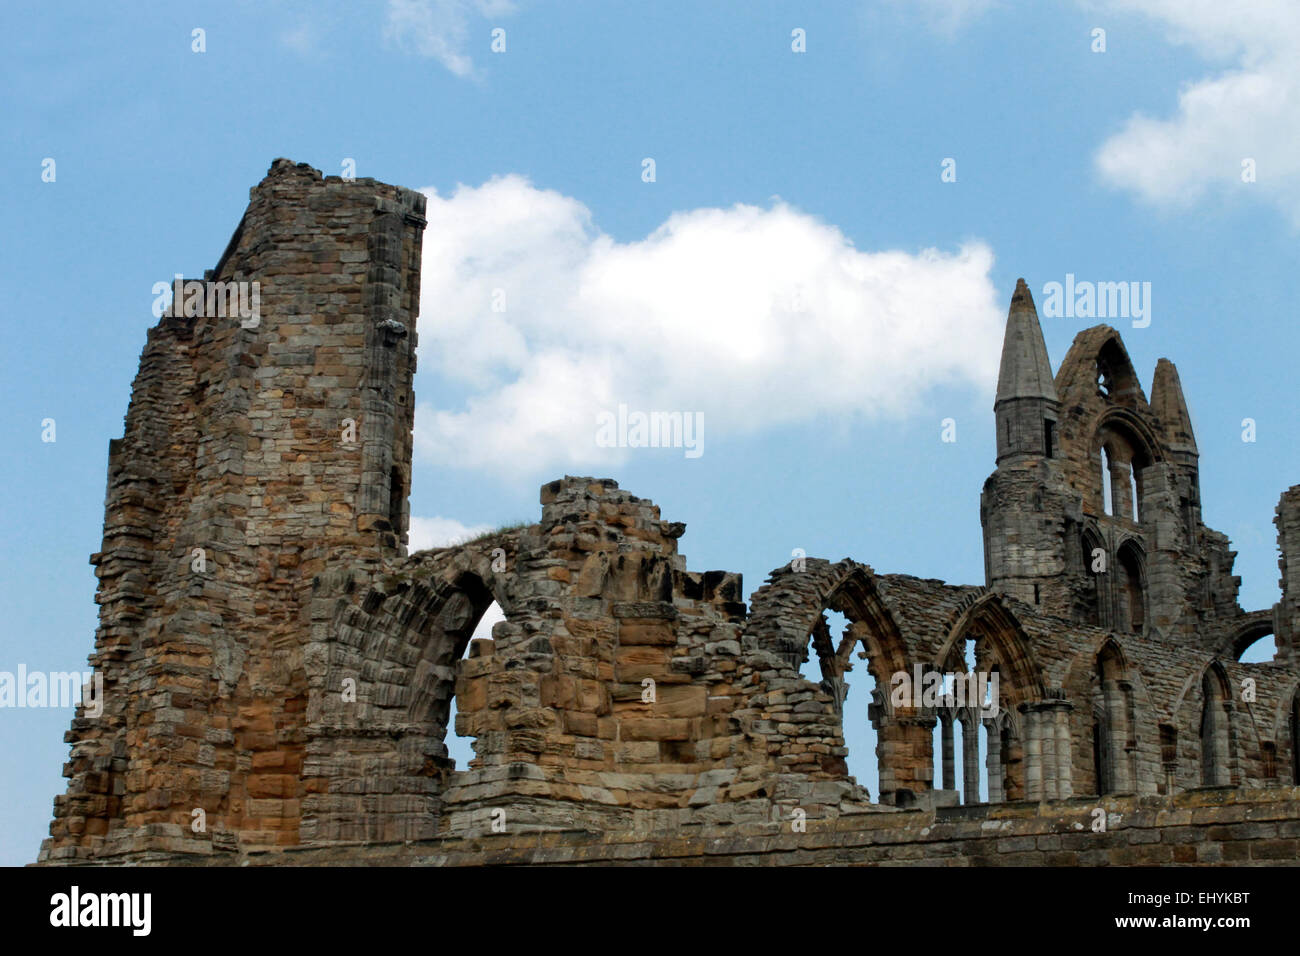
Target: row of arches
1035,743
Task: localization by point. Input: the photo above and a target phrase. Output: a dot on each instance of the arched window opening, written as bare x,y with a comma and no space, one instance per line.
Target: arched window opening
1215,734
1003,762
459,741
1115,377
1125,455
823,664
1101,753
1107,493
1114,739
960,737
1049,438
1134,596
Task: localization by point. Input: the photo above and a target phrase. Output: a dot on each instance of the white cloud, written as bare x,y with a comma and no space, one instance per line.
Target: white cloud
440,532
440,29
1251,109
696,317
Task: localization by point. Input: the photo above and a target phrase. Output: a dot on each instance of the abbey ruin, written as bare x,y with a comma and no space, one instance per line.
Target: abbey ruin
279,672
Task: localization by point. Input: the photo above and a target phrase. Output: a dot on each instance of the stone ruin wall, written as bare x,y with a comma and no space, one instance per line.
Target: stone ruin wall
232,446
296,684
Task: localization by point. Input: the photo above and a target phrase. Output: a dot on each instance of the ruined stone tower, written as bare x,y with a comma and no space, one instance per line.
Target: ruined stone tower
232,488
1093,514
278,672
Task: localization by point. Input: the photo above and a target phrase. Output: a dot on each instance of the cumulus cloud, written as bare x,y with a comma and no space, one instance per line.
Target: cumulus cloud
754,317
440,29
438,532
1249,109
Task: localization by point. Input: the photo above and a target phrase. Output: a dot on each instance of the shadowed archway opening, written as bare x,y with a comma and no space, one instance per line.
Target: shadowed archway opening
1216,739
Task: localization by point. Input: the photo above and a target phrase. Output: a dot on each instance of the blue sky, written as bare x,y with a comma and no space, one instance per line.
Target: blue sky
780,177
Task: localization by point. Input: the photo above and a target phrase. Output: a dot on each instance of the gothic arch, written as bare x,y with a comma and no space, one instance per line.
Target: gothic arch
1094,600
1216,727
1115,733
1106,658
1131,586
1116,377
1132,427
989,618
1250,629
790,608
1123,443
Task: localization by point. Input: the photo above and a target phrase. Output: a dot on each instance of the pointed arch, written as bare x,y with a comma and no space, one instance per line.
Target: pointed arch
989,619
1216,727
1093,608
789,609
1114,721
1116,377
1003,649
787,615
1131,581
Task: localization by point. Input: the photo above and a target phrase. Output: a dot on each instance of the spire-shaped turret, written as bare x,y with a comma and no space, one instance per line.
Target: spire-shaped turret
1180,442
1023,552
1026,405
1025,371
1171,408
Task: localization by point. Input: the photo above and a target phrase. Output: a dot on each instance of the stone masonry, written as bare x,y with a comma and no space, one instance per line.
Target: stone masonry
279,672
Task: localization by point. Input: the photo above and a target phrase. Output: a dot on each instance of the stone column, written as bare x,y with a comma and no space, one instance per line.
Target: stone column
945,730
1047,747
1121,495
1033,753
905,752
1064,752
970,756
1048,750
993,762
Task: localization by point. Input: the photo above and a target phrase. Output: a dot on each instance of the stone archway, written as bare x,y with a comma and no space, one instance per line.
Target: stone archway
382,673
787,614
1001,650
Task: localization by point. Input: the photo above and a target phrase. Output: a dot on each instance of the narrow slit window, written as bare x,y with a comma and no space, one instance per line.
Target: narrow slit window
1107,498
